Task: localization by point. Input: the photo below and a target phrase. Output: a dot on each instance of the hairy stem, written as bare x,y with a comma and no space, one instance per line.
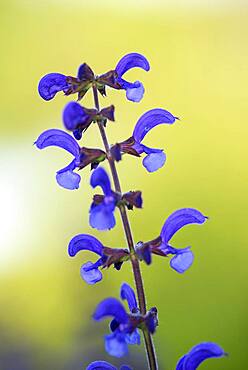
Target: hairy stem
150,351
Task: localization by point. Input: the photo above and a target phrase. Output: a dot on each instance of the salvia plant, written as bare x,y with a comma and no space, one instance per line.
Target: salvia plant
127,323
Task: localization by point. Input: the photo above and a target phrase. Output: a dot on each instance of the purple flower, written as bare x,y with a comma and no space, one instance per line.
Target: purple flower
77,118
66,177
107,256
103,365
123,327
198,354
155,158
52,83
182,258
102,214
134,90
89,271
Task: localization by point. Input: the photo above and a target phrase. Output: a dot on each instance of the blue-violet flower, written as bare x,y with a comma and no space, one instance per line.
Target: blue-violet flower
102,214
155,158
52,83
66,177
182,258
89,271
123,326
77,118
134,90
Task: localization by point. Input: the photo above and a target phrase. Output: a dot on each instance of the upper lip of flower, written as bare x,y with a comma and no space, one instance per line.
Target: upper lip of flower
198,354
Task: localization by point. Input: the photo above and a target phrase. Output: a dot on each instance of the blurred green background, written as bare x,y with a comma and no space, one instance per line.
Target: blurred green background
199,57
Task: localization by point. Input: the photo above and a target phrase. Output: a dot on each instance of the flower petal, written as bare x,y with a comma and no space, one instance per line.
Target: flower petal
111,307
178,219
100,178
133,338
116,345
90,273
125,367
136,92
198,354
73,115
151,119
85,242
58,138
50,84
102,217
130,61
182,261
68,179
153,161
181,363
128,294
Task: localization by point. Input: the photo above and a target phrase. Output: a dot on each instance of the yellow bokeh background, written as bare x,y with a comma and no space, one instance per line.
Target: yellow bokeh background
199,59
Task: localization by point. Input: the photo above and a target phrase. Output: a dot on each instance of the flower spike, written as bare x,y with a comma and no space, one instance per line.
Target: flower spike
124,324
198,354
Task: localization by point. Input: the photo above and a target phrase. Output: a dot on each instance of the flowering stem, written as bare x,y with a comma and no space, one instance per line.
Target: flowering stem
150,350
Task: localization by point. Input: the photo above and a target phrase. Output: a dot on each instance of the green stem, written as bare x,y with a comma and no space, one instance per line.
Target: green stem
150,351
